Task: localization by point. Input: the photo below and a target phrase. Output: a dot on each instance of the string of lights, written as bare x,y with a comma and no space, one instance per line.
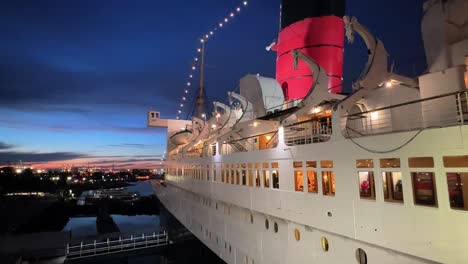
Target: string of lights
202,40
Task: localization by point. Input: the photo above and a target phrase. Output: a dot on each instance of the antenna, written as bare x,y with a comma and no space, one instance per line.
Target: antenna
201,92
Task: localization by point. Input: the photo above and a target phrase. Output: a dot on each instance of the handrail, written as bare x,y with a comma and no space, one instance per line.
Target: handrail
115,246
408,103
254,136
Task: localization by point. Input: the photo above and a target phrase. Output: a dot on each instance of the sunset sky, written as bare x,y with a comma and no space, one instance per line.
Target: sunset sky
77,77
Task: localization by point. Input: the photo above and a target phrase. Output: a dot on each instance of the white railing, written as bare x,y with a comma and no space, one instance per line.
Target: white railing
112,246
257,142
312,131
439,111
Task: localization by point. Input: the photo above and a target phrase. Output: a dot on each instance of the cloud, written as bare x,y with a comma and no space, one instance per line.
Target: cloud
132,145
4,146
13,156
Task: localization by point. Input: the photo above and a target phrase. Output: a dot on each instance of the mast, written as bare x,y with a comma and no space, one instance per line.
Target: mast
201,92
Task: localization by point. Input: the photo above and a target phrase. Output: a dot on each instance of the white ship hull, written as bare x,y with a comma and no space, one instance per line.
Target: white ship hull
219,213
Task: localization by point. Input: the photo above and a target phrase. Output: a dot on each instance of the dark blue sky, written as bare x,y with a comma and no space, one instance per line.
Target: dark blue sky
77,77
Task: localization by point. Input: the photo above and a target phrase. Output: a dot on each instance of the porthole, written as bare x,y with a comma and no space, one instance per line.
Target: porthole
324,241
297,234
267,224
361,256
275,227
251,218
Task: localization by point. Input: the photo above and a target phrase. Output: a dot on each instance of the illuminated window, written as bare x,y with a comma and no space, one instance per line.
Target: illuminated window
328,183
458,190
257,178
274,165
366,179
244,177
421,162
214,172
257,174
297,234
250,175
326,164
365,163
390,163
311,176
266,179
298,181
456,161
298,176
424,188
392,186
275,178
222,172
233,173
366,185
328,178
324,242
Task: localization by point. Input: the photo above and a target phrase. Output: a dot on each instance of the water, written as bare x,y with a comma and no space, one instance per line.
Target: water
191,251
84,228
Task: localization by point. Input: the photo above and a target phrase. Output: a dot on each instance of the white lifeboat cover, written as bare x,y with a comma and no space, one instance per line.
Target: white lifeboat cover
264,93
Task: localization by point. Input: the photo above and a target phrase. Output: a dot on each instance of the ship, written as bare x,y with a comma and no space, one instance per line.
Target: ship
293,170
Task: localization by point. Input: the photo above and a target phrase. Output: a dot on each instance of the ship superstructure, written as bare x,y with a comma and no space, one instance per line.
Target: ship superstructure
293,171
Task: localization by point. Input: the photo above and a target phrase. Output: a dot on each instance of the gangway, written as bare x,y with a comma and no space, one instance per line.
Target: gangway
113,246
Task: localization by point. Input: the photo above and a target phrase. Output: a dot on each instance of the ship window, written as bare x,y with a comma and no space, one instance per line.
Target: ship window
361,256
244,177
424,188
152,115
297,234
265,165
297,164
311,164
312,181
275,227
457,189
238,177
274,165
456,161
233,177
267,224
421,162
266,179
390,163
298,181
328,183
222,172
251,218
392,186
214,172
326,163
365,163
257,165
275,176
257,178
366,185
324,242
250,174
311,176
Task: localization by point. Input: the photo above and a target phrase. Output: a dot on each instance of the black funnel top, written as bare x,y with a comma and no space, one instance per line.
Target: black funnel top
296,10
